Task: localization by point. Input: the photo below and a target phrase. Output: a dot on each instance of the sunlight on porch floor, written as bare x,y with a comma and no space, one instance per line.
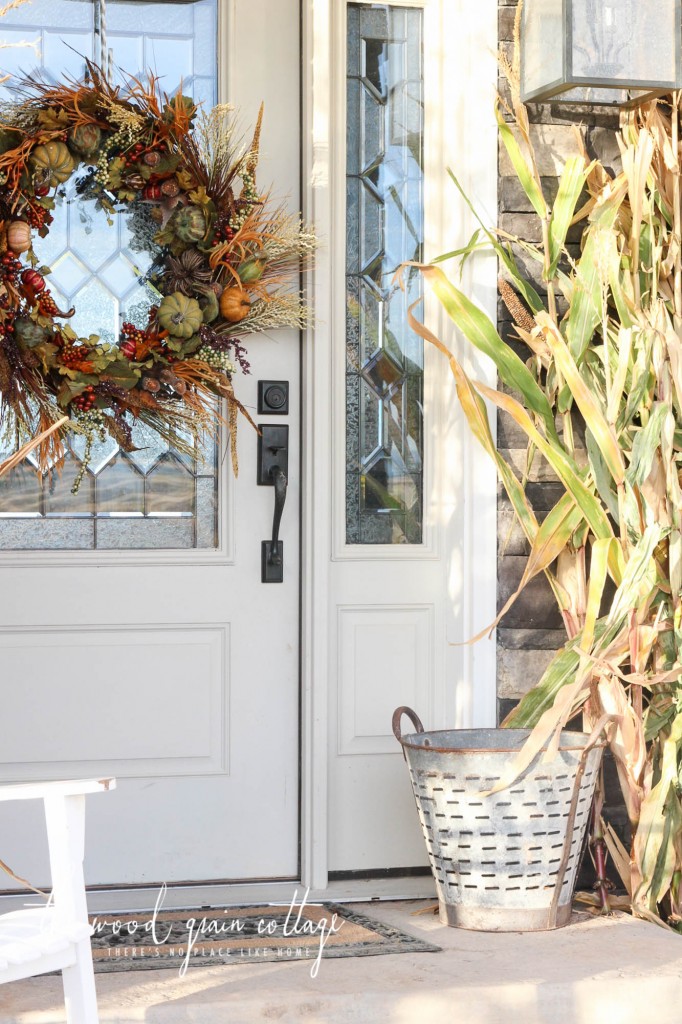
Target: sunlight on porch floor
595,970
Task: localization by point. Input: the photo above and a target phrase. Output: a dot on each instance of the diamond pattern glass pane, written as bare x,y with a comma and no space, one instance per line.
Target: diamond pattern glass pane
384,214
151,497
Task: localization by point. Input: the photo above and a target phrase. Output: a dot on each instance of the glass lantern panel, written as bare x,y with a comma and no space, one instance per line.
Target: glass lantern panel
542,44
624,40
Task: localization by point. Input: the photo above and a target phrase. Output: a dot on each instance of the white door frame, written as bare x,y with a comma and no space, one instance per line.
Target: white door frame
463,136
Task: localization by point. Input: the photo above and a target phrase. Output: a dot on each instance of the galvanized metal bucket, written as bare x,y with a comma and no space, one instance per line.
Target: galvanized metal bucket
507,861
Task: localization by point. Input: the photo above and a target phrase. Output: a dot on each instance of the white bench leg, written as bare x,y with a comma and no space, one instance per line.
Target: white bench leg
65,817
79,988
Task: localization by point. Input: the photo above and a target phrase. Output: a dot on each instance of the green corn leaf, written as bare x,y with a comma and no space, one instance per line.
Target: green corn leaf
561,463
523,171
560,672
474,409
571,185
602,477
638,579
654,833
480,331
597,423
504,252
474,245
586,306
642,382
647,440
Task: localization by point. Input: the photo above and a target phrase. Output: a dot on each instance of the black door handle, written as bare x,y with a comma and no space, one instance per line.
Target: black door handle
280,482
273,466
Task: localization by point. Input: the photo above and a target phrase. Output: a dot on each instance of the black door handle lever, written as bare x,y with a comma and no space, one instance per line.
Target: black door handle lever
280,482
273,467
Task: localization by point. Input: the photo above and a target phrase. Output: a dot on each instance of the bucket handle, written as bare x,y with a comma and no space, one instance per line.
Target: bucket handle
593,741
413,717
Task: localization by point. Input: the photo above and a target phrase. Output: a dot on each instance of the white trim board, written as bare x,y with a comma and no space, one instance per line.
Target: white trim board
460,542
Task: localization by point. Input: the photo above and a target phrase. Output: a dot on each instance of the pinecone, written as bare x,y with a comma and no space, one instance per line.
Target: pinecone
187,273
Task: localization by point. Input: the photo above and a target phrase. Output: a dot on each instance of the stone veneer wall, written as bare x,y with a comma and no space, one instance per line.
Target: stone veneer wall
532,630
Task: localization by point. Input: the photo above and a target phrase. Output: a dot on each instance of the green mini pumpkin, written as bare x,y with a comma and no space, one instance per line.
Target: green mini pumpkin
180,315
85,139
188,223
53,159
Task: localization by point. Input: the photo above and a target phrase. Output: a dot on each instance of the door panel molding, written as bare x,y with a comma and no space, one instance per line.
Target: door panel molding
375,643
168,686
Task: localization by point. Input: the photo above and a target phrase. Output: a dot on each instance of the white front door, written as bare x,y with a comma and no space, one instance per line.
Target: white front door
142,644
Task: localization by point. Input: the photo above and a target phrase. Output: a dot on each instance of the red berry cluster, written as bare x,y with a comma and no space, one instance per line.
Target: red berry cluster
7,326
134,154
10,267
131,337
223,231
86,400
73,355
37,216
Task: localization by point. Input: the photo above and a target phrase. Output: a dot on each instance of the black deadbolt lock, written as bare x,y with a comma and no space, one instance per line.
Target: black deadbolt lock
273,397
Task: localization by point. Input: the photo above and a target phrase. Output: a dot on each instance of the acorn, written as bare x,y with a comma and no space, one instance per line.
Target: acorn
151,384
152,158
170,188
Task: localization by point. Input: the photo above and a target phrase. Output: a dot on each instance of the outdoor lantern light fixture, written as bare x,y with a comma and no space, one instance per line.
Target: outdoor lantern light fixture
615,52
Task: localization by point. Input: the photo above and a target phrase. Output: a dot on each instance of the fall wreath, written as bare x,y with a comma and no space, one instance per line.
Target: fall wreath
226,263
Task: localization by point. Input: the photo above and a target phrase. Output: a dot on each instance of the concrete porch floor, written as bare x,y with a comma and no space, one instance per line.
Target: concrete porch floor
594,971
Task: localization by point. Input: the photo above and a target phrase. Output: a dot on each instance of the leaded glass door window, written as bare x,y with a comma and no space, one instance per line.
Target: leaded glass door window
153,497
384,214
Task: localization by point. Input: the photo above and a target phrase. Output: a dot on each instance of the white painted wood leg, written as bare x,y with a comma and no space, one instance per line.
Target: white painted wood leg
79,987
40,939
65,818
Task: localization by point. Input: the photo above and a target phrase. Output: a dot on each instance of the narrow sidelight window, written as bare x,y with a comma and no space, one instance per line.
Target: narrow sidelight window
385,218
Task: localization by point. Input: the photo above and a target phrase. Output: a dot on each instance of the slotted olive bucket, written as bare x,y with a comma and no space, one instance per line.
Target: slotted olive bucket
507,861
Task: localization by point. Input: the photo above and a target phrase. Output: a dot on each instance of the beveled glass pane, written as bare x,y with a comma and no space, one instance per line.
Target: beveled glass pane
57,491
150,497
385,227
371,423
170,489
123,534
120,490
21,491
48,535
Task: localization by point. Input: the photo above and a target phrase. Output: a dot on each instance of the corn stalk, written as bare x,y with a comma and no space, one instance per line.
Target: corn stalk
612,546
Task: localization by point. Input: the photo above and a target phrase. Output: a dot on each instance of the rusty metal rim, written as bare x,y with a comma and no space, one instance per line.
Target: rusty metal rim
487,750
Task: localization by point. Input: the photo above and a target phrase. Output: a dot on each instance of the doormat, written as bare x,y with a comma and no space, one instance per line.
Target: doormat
238,935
